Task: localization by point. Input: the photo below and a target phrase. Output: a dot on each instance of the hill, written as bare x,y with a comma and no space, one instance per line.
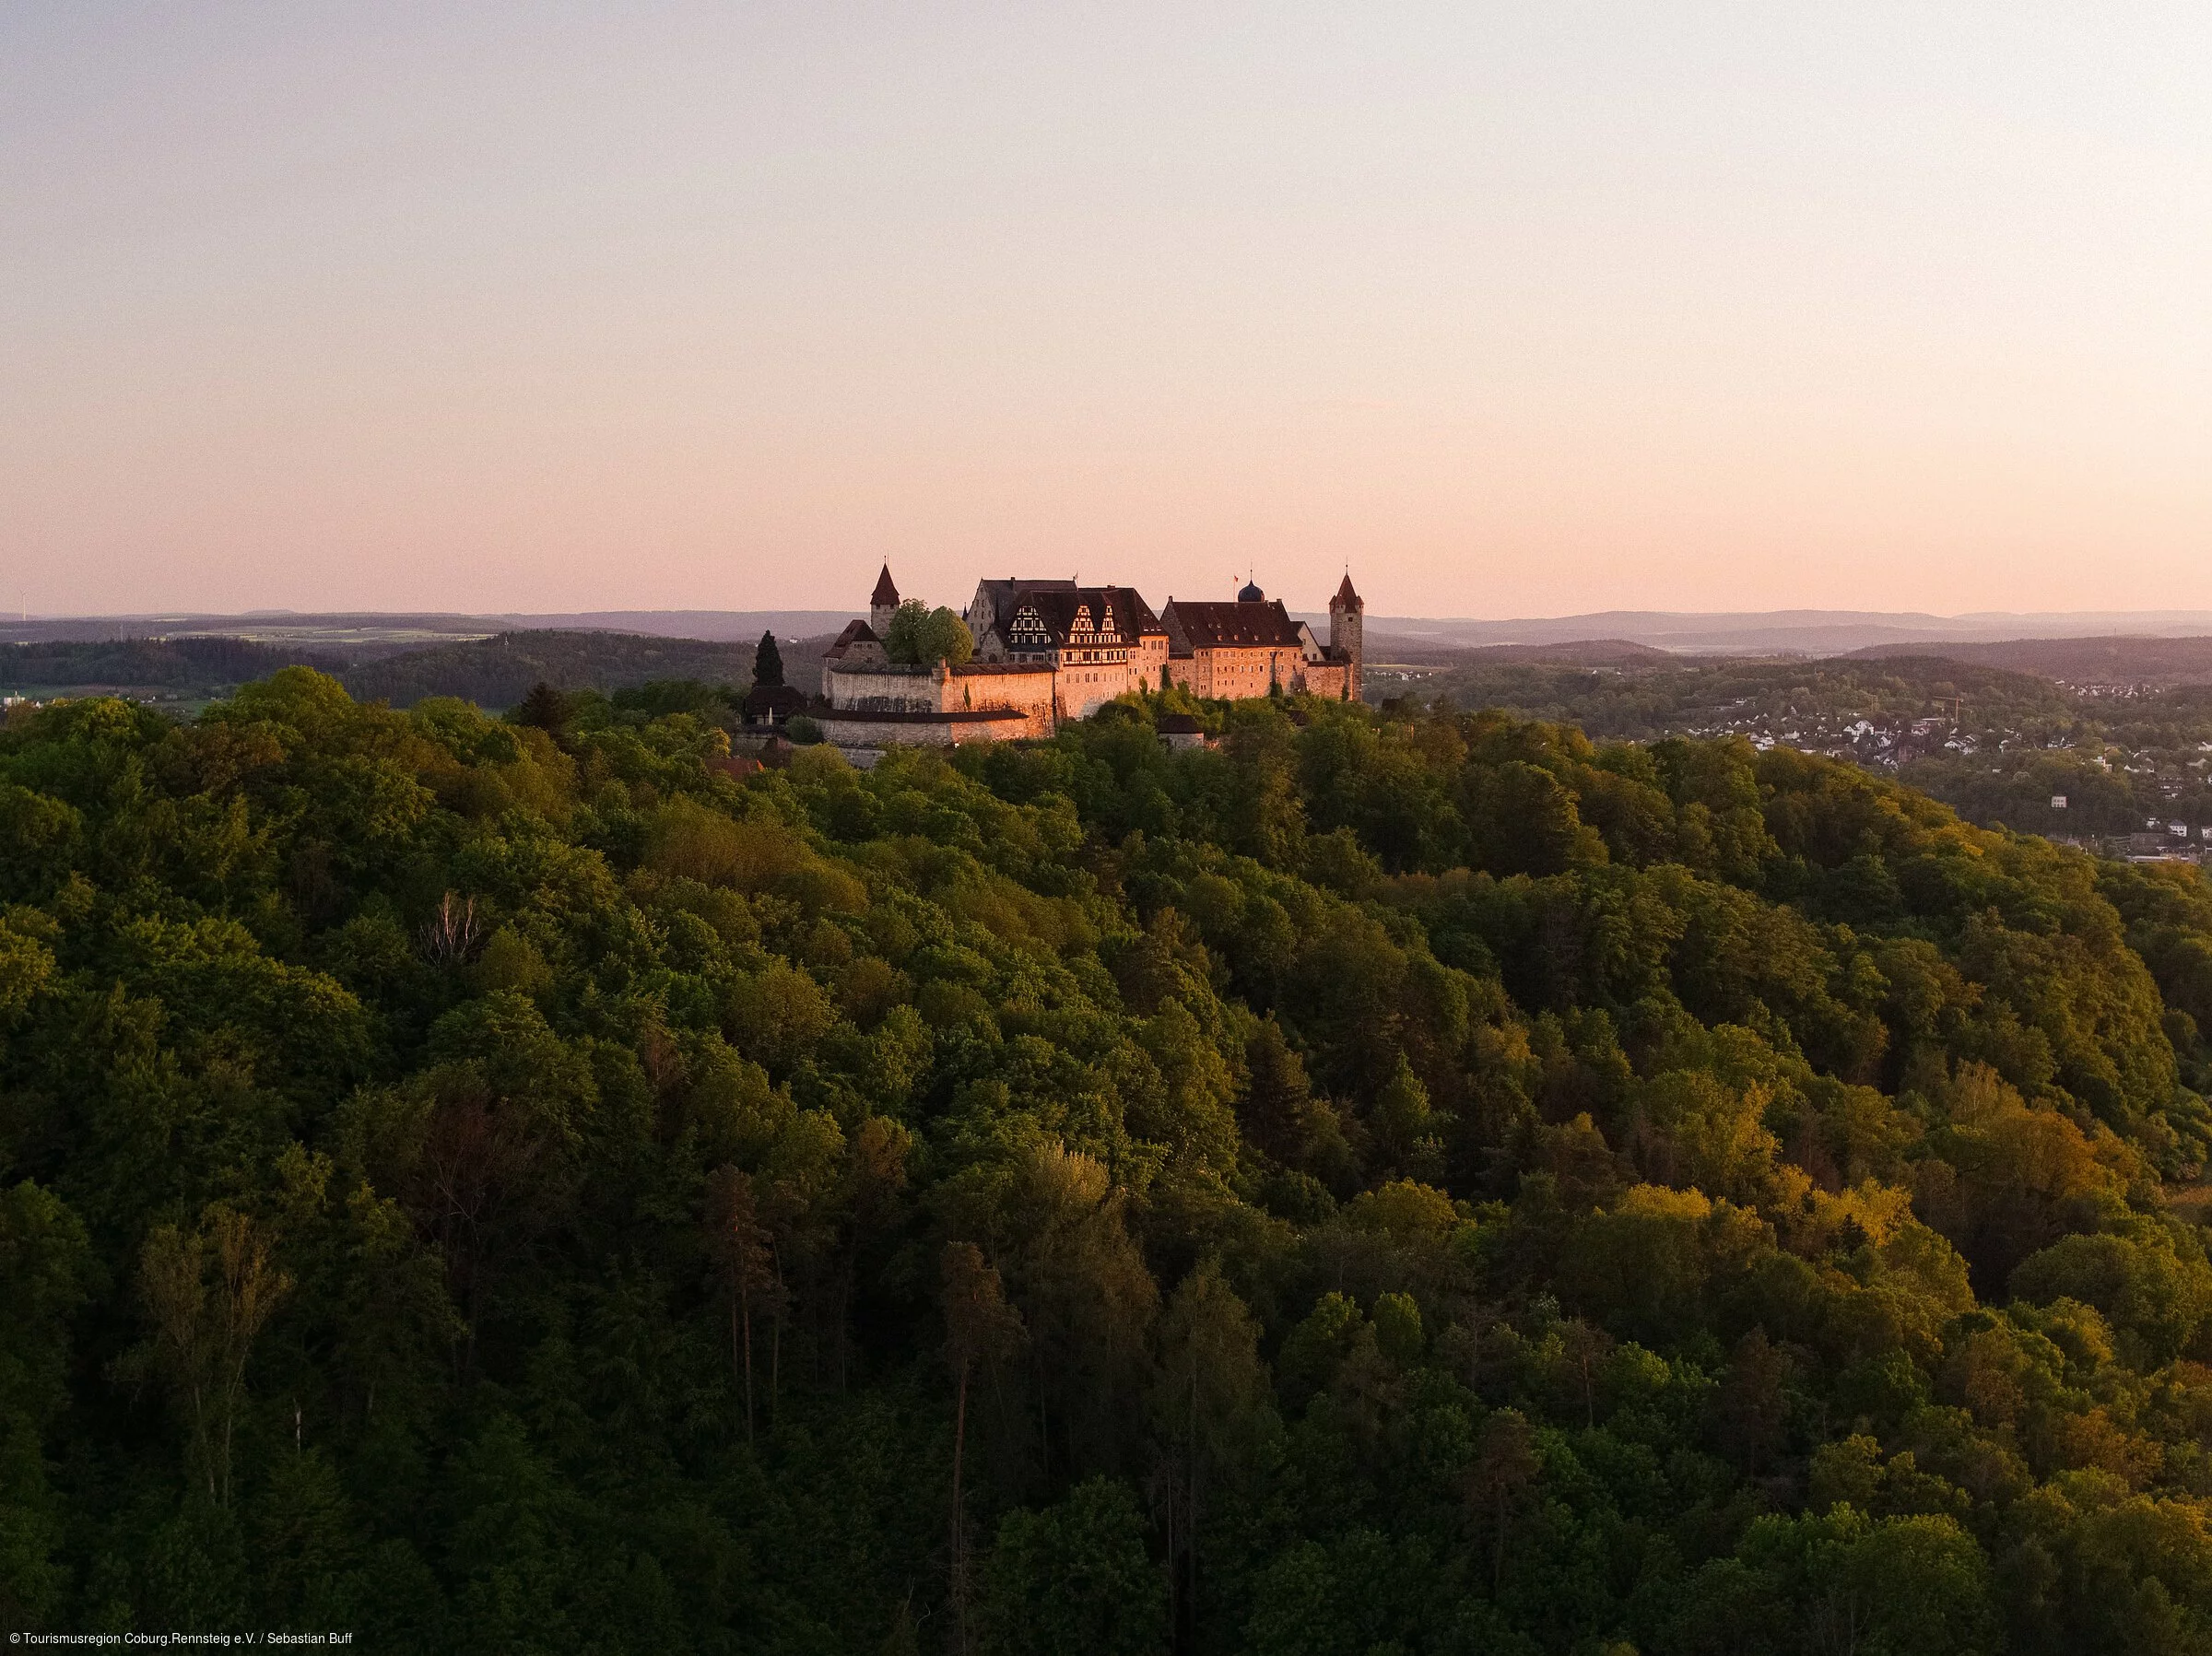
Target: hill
497,672
1427,1182
1999,745
1797,632
1642,697
185,664
1408,647
362,635
2098,661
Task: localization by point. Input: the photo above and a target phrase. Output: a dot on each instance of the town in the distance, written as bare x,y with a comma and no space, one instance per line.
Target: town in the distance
1026,655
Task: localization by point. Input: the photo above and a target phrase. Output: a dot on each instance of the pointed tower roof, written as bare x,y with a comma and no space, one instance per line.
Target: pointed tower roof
887,591
1345,595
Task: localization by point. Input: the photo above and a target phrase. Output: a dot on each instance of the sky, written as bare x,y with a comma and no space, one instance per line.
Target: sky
1510,309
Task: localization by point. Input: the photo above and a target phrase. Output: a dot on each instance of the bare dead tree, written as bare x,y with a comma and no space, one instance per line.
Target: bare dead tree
454,932
979,1328
740,1246
205,1331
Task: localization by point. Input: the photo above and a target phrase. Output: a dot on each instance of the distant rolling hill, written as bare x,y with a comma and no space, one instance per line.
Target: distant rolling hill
362,635
1820,632
1576,653
1823,632
2110,659
183,664
497,672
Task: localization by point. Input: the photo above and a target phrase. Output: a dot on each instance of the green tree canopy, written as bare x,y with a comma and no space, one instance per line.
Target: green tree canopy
1420,1182
919,635
1074,1578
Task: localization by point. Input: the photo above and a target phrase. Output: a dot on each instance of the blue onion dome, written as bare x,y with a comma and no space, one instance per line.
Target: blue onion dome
1249,594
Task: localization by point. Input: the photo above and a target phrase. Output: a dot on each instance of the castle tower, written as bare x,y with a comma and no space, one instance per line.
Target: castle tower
883,602
1348,620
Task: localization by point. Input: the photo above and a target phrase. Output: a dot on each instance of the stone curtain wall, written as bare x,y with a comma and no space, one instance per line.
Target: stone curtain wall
1025,692
858,728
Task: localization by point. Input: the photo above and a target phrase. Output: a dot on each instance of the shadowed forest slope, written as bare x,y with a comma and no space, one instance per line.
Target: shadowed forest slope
497,672
180,663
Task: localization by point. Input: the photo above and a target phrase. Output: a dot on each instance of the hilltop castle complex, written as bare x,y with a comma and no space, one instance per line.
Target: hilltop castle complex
1051,649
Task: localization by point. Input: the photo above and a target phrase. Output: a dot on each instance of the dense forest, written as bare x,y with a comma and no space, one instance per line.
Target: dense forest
1385,1183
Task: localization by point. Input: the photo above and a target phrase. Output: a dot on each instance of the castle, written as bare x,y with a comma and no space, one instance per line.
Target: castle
1052,650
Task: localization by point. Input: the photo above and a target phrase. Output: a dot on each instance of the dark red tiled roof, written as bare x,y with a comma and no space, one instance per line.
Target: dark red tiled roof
1247,624
885,591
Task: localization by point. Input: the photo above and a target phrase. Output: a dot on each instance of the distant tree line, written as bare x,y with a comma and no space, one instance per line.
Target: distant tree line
499,672
179,663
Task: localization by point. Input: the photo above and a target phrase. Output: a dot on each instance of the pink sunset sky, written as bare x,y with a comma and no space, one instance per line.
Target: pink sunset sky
1515,310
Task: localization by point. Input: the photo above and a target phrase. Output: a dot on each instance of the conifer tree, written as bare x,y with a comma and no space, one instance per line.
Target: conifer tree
543,707
768,664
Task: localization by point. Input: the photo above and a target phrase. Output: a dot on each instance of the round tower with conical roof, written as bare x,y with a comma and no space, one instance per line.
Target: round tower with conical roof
1348,620
883,602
